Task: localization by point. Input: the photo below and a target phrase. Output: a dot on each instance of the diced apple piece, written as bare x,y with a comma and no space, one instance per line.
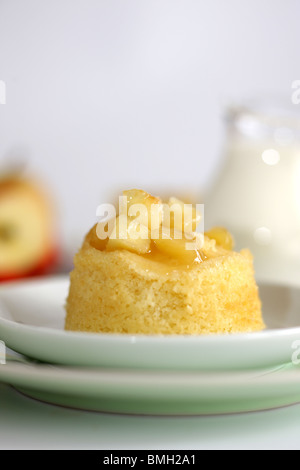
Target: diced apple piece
138,196
146,208
222,237
180,216
133,238
136,246
175,247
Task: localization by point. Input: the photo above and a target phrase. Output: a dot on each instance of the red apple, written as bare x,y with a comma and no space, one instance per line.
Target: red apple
27,229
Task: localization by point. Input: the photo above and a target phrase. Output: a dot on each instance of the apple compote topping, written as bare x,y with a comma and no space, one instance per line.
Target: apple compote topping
163,232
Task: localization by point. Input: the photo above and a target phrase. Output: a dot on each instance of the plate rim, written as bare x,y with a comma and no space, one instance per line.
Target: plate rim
128,338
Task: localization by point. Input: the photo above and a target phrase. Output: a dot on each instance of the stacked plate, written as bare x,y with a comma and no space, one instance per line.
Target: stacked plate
148,374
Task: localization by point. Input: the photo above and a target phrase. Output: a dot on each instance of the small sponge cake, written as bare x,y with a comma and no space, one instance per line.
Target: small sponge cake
122,291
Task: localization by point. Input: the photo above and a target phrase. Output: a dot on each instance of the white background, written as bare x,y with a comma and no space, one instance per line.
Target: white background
107,94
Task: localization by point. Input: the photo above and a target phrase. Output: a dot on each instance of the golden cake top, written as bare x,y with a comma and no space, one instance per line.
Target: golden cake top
161,231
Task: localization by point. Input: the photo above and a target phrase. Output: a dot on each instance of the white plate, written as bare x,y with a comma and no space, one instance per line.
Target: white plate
154,392
32,318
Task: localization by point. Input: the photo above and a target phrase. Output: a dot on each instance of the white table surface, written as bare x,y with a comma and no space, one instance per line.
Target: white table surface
28,424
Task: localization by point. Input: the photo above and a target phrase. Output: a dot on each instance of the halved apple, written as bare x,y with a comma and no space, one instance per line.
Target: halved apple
27,240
